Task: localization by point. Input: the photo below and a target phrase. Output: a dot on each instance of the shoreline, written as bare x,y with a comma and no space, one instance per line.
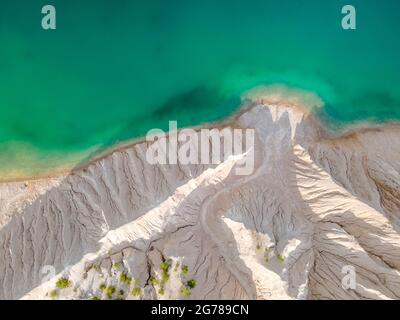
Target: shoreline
121,146
325,132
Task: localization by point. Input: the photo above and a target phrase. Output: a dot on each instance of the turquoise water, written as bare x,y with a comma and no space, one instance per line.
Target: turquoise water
112,70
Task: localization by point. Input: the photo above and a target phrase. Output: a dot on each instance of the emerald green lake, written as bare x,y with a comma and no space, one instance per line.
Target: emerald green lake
112,70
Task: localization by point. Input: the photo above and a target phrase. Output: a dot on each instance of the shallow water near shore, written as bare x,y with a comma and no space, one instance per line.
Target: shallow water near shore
113,70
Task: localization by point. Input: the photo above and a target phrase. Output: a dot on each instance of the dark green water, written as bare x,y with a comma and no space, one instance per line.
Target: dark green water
112,70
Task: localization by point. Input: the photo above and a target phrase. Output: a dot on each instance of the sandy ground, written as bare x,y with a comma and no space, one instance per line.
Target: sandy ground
122,228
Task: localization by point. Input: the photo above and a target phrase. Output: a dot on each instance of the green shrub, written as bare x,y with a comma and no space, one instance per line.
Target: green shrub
95,298
280,258
191,283
124,278
185,269
153,281
63,283
164,279
136,292
117,265
121,292
185,292
161,291
102,287
164,266
53,293
110,291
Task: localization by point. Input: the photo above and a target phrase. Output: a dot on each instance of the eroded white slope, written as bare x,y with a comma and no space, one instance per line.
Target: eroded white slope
311,206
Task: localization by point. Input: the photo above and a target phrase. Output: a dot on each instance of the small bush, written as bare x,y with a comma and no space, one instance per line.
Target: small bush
153,281
53,293
121,292
124,278
102,287
164,279
280,258
117,265
191,283
185,292
63,283
185,269
161,291
164,266
110,291
95,298
136,292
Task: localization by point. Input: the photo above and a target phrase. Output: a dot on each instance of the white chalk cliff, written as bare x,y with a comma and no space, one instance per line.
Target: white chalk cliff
312,206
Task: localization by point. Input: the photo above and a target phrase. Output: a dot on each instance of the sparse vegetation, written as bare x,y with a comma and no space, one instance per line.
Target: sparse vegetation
63,283
191,283
164,266
258,247
53,293
153,281
110,291
117,265
102,287
136,292
124,278
95,298
121,292
161,291
185,269
280,258
97,267
164,279
185,291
